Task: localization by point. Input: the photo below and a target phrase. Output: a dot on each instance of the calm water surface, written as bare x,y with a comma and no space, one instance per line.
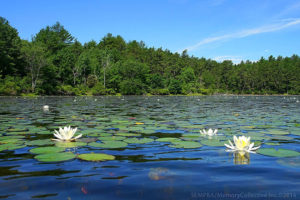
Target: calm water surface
154,170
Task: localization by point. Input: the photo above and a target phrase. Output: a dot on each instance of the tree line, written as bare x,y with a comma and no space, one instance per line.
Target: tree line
55,63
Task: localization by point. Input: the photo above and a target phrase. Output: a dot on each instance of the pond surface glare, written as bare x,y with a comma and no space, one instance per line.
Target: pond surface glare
183,165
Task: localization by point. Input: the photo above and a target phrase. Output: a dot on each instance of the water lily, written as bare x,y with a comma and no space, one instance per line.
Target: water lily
46,108
66,134
210,132
242,144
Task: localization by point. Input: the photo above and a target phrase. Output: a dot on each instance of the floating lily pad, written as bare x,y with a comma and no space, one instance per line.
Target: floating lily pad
128,134
191,135
95,157
103,119
109,144
186,144
148,131
135,129
55,157
44,132
168,139
138,141
99,134
281,137
7,137
112,138
278,153
12,140
272,143
278,132
42,150
39,142
213,142
17,130
64,144
11,146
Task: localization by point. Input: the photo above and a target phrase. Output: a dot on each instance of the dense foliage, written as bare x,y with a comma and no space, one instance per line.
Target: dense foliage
54,63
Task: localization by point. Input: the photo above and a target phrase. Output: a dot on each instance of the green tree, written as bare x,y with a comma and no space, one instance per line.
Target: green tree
34,55
10,54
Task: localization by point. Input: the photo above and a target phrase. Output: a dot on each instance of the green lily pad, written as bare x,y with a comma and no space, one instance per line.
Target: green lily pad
44,132
138,141
55,157
186,144
108,144
281,137
272,143
42,150
39,142
12,140
128,134
148,131
278,132
11,137
213,142
69,144
191,135
112,138
95,157
17,130
278,153
168,139
11,146
99,134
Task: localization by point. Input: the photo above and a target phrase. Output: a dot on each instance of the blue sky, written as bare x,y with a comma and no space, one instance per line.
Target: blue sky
216,29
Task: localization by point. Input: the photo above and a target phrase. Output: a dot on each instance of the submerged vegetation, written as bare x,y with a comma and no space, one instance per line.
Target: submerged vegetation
55,63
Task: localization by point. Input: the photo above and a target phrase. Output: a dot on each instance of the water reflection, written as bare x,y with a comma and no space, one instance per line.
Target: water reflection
159,173
241,158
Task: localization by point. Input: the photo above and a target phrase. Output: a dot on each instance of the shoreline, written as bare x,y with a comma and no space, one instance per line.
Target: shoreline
149,95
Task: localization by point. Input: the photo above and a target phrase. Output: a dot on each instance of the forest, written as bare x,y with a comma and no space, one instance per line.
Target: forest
55,63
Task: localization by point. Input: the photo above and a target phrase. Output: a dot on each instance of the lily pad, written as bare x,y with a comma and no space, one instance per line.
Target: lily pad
11,137
111,138
168,139
39,142
278,132
281,137
108,144
11,146
138,141
95,157
42,150
69,144
99,134
12,140
55,157
17,130
272,143
186,144
128,134
213,142
278,153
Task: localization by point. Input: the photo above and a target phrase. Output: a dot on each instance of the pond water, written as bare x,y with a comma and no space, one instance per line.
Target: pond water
156,147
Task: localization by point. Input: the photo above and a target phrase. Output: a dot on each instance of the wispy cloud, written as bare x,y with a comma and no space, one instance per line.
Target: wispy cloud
245,33
234,59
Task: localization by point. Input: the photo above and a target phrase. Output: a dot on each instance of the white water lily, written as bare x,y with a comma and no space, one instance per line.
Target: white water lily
241,143
46,108
210,132
66,134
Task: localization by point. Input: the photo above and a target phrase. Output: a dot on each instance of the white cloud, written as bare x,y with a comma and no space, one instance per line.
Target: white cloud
234,59
245,33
